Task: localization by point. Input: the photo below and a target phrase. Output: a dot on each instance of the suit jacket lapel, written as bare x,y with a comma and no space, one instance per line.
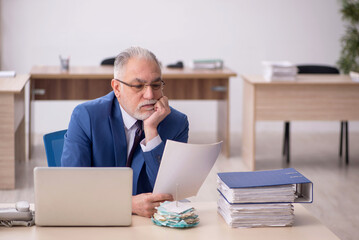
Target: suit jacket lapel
118,134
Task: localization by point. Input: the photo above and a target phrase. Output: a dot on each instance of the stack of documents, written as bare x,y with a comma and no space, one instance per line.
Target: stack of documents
280,193
176,215
208,64
262,198
279,71
256,215
354,76
5,74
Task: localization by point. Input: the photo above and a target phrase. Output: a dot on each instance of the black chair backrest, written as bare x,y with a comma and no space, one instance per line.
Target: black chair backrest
108,61
317,69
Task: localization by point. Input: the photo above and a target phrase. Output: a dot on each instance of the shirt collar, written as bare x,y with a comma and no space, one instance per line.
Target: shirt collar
128,120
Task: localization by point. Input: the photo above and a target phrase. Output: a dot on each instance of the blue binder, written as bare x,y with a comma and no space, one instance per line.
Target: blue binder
304,187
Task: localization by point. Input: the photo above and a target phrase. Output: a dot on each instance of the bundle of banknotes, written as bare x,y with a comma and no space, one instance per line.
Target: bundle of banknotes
176,215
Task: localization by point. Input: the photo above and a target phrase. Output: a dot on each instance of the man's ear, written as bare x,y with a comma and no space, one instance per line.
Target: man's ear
116,87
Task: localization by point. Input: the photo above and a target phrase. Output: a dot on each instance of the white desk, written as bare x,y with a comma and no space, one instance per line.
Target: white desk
312,97
211,226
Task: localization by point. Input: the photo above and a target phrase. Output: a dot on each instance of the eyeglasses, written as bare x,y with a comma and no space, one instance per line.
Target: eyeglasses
139,87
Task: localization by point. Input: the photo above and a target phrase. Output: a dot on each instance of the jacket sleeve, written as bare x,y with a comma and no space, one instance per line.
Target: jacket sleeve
77,142
153,158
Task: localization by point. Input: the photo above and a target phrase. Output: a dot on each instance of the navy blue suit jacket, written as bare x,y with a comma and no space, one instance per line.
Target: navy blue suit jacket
96,138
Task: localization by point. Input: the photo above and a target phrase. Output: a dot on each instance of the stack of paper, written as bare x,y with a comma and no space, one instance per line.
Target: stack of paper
208,64
4,74
256,215
261,198
354,76
280,193
176,215
279,71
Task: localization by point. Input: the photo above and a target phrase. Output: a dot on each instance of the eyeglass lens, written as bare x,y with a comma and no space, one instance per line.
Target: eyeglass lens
154,86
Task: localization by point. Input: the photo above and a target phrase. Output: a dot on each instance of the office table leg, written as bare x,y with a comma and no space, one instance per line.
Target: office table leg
12,136
221,89
223,126
19,125
249,126
7,142
29,137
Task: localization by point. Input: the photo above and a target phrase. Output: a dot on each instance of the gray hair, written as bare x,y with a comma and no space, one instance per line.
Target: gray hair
132,52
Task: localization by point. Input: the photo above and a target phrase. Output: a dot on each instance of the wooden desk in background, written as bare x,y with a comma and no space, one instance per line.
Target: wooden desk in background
211,226
310,97
12,127
84,83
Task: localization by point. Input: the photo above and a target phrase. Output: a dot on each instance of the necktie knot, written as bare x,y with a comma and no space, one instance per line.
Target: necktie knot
139,127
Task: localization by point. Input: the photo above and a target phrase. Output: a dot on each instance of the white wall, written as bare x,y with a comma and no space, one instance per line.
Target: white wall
241,32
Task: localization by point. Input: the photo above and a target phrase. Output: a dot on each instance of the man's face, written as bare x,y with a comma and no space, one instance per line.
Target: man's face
139,104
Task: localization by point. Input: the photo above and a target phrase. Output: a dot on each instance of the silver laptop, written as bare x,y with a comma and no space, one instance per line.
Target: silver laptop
83,196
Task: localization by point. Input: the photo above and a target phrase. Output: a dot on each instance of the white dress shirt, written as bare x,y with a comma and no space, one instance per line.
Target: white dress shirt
130,131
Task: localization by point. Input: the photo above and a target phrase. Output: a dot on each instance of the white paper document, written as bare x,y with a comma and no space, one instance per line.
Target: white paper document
184,167
4,74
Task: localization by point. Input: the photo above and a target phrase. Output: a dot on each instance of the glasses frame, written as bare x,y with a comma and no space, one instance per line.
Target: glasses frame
135,86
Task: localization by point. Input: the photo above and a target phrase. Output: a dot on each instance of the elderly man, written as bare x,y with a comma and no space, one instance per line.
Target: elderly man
128,127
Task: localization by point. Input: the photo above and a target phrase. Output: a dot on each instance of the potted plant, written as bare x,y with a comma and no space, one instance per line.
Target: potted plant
349,57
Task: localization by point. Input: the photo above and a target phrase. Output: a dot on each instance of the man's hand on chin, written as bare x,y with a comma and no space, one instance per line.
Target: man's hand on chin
161,110
144,204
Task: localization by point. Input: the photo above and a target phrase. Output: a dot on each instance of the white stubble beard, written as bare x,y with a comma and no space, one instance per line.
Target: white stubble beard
143,116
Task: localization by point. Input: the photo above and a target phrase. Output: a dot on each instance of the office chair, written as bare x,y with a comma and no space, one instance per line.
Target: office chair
317,69
54,143
108,61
